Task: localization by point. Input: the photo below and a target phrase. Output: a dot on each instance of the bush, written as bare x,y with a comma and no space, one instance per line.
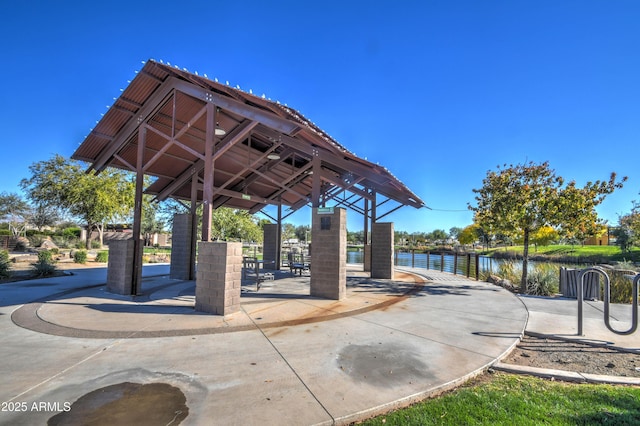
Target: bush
542,280
36,240
95,244
45,265
20,246
102,256
80,256
72,233
45,256
621,290
5,264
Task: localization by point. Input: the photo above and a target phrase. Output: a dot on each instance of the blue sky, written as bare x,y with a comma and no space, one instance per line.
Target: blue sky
439,92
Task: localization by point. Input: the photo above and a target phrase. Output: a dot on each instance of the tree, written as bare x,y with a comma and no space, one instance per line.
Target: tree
43,215
544,236
438,235
302,232
519,200
151,223
628,231
576,208
469,234
454,232
233,224
288,231
94,198
15,210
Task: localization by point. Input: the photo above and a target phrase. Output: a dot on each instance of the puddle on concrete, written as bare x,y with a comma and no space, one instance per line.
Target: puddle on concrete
127,403
383,364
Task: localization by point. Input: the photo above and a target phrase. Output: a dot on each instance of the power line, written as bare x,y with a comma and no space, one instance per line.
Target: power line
448,210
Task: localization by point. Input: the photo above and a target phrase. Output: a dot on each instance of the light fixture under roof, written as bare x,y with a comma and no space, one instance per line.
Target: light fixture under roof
219,130
273,156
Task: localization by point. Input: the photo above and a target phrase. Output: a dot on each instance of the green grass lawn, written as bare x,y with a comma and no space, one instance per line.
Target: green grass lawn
505,399
594,253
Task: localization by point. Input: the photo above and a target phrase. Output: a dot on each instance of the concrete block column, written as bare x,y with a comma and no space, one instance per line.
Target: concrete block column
181,260
270,246
382,235
218,277
120,267
329,254
367,257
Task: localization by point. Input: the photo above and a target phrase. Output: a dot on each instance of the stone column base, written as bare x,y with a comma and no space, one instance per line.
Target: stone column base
218,277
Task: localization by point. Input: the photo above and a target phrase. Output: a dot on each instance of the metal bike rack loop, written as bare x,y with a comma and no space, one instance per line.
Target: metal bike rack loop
606,301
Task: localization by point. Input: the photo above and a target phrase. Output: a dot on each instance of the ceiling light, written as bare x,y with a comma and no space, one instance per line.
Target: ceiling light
219,130
273,156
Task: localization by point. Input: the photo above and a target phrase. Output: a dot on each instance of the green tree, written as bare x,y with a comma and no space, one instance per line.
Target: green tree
151,221
519,200
43,215
454,232
576,208
233,224
93,198
15,211
302,232
288,231
469,234
438,235
628,231
544,236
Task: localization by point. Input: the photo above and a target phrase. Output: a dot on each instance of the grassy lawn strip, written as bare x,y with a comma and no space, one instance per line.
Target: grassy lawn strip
596,253
506,399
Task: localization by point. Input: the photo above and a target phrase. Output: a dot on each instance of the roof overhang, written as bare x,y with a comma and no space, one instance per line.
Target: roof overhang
267,155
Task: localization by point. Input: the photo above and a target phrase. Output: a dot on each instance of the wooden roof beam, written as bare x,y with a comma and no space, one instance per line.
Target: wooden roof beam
238,134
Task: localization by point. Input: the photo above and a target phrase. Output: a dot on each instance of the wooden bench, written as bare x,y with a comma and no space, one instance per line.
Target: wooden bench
251,270
298,264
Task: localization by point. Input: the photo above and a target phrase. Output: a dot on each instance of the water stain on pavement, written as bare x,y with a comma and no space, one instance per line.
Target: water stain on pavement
383,364
127,403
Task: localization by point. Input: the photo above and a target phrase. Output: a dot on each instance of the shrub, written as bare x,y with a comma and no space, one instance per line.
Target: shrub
20,246
95,244
36,240
72,233
542,280
45,265
102,256
5,264
80,256
45,255
621,290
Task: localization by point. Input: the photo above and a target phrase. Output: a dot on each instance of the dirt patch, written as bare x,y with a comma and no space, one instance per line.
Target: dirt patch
24,271
574,356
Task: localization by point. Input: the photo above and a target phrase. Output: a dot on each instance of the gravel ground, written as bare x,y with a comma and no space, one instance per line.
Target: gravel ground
574,356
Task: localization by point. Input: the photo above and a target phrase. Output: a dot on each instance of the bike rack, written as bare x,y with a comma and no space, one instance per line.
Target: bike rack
607,297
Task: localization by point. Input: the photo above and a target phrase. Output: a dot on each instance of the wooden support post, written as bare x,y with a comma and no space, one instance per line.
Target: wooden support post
207,192
194,225
136,280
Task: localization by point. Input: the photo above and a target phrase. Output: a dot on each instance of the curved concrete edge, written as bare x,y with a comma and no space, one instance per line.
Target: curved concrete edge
589,342
421,396
564,375
430,393
408,400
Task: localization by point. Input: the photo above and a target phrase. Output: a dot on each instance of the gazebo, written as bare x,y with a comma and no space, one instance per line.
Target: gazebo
216,145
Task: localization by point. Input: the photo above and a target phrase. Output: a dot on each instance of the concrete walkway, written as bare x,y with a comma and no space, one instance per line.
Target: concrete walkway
286,358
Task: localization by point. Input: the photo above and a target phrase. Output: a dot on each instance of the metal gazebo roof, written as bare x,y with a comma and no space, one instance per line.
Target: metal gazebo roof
264,153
